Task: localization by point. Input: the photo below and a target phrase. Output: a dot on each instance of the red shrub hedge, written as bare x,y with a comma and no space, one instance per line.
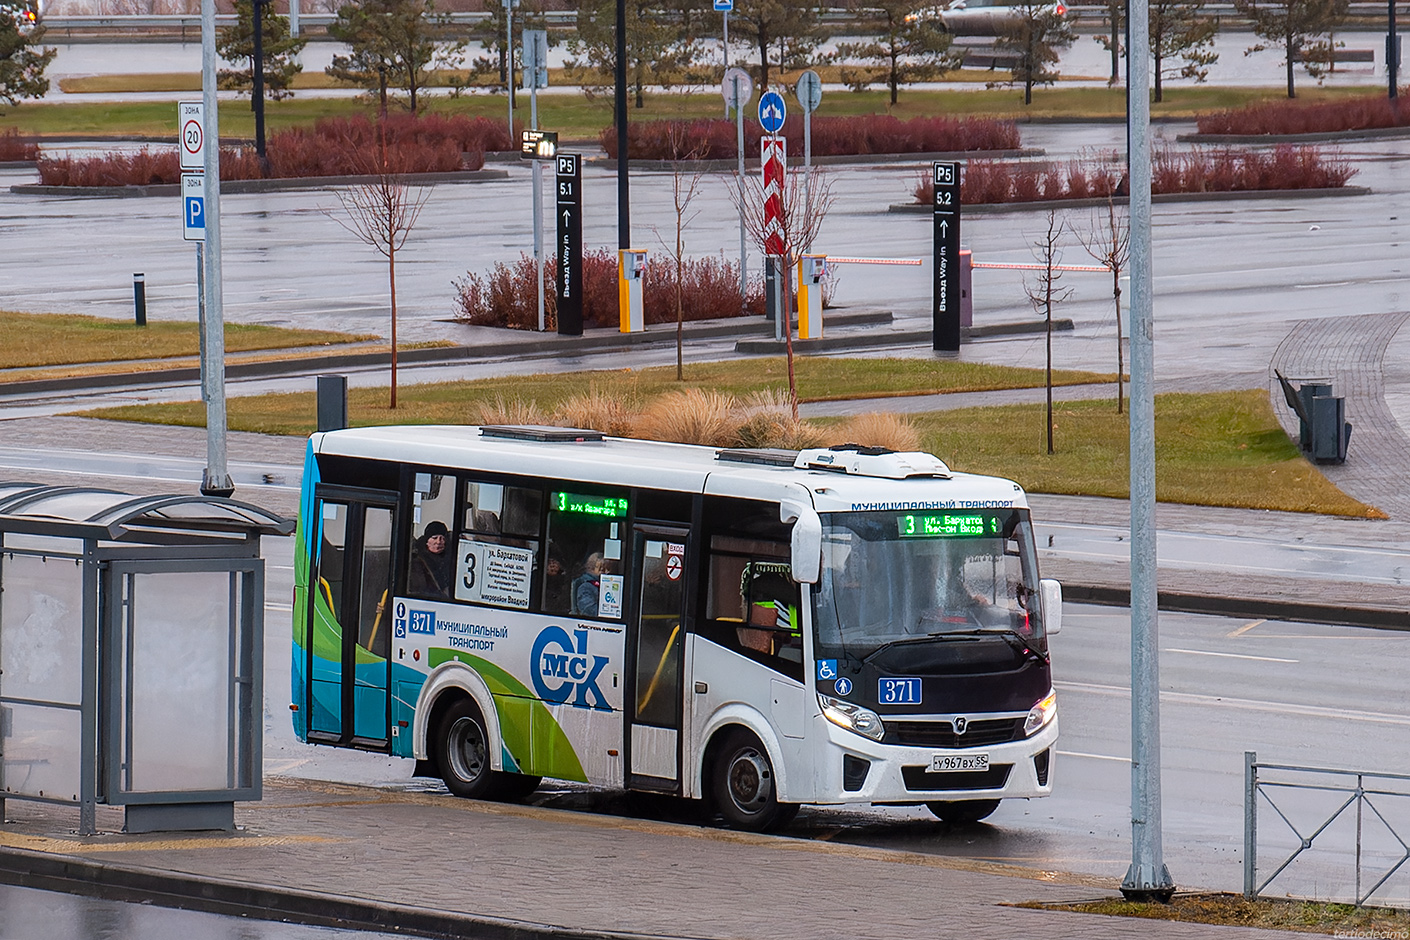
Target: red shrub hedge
1293,117
715,139
333,147
507,296
13,147
1195,171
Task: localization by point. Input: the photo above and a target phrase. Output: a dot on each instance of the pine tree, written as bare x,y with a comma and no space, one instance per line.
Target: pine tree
237,44
1034,35
393,45
658,49
791,30
1298,26
1179,28
21,66
905,48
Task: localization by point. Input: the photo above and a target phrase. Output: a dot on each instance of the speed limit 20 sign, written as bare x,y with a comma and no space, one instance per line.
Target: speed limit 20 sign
191,134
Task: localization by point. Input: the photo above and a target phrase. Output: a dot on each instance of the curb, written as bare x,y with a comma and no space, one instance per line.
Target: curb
539,345
992,208
1365,133
41,870
732,163
804,347
234,187
1377,618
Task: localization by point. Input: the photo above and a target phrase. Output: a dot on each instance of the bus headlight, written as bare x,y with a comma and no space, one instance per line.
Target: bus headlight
1039,715
864,721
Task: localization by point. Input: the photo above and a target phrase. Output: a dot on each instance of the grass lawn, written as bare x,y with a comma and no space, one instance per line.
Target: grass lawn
1218,449
1212,449
38,340
457,402
580,117
1342,920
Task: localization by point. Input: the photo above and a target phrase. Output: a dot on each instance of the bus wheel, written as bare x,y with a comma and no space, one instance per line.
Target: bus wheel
744,788
516,786
964,811
463,751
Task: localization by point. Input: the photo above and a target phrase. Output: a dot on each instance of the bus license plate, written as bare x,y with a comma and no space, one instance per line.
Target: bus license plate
949,763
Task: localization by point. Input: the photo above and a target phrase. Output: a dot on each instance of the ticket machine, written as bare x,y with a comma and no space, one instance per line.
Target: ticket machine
631,267
811,269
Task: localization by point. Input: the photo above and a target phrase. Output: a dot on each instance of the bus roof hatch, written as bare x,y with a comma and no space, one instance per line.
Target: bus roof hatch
856,460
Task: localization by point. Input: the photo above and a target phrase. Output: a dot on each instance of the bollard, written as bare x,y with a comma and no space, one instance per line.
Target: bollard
332,402
139,298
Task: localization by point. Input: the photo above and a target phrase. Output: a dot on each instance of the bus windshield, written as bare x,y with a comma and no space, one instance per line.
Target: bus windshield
889,576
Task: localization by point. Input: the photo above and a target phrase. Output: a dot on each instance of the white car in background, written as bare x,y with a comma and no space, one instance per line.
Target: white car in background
979,17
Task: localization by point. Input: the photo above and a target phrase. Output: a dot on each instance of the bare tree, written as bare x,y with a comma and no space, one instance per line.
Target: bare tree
1108,240
806,200
685,186
381,213
1045,292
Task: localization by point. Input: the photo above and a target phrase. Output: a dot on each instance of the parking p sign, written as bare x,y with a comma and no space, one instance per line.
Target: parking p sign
193,205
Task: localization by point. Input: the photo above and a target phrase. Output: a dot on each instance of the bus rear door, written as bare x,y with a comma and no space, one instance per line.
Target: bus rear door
350,620
655,693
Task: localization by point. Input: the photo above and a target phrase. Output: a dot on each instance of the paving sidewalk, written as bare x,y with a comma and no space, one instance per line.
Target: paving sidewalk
325,853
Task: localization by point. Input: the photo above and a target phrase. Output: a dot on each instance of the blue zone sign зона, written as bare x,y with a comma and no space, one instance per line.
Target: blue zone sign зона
193,206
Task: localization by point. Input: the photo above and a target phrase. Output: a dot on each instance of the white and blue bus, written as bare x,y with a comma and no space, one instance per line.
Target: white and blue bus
755,628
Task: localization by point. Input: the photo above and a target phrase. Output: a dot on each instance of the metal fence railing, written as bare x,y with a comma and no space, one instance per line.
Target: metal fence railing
1348,832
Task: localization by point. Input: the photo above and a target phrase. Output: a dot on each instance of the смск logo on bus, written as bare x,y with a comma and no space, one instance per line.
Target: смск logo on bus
560,669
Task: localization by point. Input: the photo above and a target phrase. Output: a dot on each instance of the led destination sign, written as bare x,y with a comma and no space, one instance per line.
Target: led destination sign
944,525
611,506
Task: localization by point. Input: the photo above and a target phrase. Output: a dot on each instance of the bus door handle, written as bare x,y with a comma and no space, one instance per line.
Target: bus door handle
701,688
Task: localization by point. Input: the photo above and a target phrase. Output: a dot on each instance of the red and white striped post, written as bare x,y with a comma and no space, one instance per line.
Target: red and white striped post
774,151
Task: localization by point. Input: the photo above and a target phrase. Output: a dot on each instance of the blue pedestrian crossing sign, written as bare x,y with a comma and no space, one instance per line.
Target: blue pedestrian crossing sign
724,6
772,111
193,206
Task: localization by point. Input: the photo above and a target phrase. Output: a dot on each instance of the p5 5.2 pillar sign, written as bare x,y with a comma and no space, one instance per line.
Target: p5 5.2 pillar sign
568,281
946,289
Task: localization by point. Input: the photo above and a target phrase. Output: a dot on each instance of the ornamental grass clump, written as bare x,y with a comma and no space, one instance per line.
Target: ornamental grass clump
878,429
17,149
714,139
1294,117
690,416
598,410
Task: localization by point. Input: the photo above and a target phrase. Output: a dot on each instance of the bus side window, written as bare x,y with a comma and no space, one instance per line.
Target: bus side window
751,603
586,532
430,557
492,515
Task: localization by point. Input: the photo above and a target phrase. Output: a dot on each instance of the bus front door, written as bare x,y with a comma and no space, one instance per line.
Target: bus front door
350,620
654,745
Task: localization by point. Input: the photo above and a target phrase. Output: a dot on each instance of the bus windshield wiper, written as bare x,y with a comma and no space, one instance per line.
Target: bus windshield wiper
1020,645
923,638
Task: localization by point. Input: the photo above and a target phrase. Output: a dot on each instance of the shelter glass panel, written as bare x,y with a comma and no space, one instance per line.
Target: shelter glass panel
41,629
41,753
179,706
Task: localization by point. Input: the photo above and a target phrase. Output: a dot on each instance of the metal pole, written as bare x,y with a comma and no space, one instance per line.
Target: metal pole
257,78
509,63
624,215
1250,824
726,54
216,480
294,18
1392,52
538,194
201,317
807,169
1147,878
739,145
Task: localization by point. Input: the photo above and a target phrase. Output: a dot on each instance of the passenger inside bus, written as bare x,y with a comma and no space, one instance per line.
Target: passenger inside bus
557,586
587,586
431,562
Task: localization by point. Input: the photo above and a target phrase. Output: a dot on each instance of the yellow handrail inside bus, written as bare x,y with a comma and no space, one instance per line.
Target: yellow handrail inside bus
660,668
328,593
381,606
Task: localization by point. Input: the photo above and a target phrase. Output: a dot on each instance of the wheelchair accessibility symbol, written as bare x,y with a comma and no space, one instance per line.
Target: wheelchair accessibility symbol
843,686
827,669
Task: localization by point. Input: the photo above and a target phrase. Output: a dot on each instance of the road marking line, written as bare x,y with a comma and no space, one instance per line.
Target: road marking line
1247,627
1244,704
1261,659
1123,760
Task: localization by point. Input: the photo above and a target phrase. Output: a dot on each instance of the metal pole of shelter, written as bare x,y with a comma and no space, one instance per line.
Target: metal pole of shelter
1147,879
624,215
216,480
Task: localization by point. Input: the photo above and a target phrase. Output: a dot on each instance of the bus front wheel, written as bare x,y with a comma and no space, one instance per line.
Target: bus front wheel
744,786
963,811
463,752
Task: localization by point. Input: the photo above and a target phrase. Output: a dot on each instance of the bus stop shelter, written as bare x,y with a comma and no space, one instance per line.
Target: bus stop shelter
131,653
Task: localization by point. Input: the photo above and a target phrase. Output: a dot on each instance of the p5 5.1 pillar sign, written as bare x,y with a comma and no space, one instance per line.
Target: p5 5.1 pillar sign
945,311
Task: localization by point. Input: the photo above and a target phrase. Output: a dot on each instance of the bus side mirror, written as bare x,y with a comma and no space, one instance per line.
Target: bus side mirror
807,540
1050,595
